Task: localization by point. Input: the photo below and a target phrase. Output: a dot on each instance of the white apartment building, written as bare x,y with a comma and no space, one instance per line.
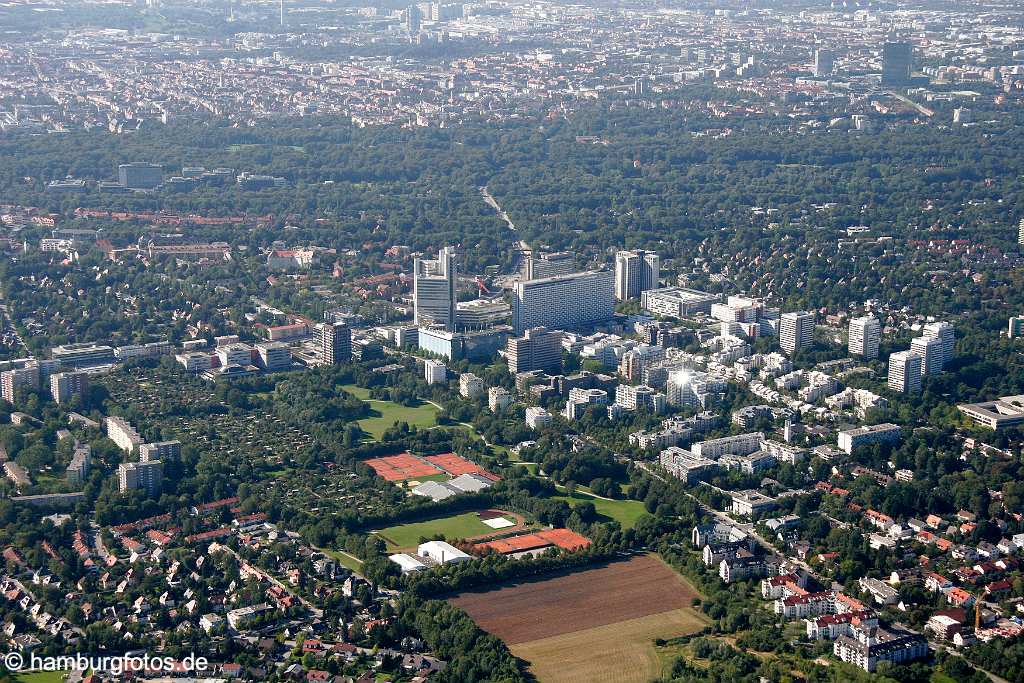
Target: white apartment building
435,372
470,386
537,418
796,332
741,444
864,336
931,352
122,433
635,273
498,399
905,372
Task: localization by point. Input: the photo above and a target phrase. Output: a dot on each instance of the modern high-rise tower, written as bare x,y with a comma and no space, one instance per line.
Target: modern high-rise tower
865,334
897,63
824,63
635,273
796,331
905,372
434,290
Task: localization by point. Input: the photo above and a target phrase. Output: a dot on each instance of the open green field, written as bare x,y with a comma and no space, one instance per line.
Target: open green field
345,560
386,414
625,512
403,536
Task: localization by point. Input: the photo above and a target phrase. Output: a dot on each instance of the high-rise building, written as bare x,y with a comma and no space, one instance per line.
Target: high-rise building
274,356
945,333
865,334
334,342
65,385
931,352
796,332
563,302
824,63
434,290
139,175
549,265
470,386
11,381
635,273
1016,328
160,450
537,349
413,19
897,63
435,372
121,432
147,476
78,468
905,372
1020,232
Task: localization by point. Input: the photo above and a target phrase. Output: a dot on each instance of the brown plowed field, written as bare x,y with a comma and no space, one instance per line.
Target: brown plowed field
567,603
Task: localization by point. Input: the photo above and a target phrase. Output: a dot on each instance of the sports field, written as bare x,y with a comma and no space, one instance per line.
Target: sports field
592,625
404,536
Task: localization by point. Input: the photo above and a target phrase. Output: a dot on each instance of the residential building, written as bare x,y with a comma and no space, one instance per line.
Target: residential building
160,450
563,302
740,444
635,272
640,397
122,433
796,332
686,466
824,63
15,380
852,439
581,399
1016,328
235,353
905,372
869,645
946,334
147,476
930,349
434,286
78,468
333,341
677,302
537,418
498,399
864,336
84,354
549,265
470,386
537,349
435,372
750,503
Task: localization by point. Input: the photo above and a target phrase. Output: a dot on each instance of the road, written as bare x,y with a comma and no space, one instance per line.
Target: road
493,203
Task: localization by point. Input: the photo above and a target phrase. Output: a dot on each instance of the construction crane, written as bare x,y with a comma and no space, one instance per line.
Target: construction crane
481,286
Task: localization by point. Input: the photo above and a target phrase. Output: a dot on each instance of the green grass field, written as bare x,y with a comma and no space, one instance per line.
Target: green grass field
345,560
625,512
41,677
403,536
386,414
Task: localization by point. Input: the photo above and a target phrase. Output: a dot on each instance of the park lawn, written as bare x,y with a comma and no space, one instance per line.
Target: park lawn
625,512
387,413
404,536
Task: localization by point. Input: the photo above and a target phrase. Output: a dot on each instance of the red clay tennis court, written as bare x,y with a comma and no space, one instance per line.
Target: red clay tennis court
563,538
401,467
454,464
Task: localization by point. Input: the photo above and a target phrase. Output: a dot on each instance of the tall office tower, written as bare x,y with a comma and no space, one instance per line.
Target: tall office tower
282,13
897,63
65,385
549,265
413,19
905,372
931,352
139,175
865,333
564,302
537,349
434,290
635,273
334,342
1020,232
945,333
796,332
11,381
824,63
147,476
